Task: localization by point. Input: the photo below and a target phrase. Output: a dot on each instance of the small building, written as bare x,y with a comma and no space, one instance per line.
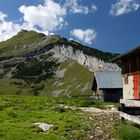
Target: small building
130,104
107,86
130,62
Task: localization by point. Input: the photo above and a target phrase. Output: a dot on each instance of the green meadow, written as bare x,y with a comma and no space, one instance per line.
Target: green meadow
19,113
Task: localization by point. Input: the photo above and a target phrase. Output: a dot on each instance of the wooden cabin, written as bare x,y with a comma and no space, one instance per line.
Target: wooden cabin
107,86
130,104
130,62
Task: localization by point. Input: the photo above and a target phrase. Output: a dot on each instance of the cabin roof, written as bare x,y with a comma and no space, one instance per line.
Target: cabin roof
108,79
137,49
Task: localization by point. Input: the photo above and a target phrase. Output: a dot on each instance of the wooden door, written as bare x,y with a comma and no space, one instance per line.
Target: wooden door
136,86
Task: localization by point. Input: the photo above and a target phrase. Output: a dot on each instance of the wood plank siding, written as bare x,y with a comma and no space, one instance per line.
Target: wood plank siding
131,63
131,75
130,104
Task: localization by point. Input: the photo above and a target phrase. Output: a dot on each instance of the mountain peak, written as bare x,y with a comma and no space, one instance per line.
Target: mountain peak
17,42
30,41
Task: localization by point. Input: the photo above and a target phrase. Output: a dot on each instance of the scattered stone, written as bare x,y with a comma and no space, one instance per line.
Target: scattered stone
56,93
98,111
60,84
91,137
44,126
60,73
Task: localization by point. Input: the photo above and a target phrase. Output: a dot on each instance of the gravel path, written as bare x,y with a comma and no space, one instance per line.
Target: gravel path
104,122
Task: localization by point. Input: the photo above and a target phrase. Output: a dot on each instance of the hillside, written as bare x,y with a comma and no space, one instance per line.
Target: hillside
18,43
34,64
29,41
71,79
31,80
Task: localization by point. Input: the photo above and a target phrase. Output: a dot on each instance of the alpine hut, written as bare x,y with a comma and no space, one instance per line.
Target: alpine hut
107,86
130,104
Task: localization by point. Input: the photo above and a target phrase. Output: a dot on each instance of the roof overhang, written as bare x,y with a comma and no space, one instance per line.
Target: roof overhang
137,49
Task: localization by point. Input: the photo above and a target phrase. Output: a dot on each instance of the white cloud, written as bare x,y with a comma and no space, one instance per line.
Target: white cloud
27,26
41,18
44,18
73,6
94,8
49,16
86,36
2,16
7,28
124,6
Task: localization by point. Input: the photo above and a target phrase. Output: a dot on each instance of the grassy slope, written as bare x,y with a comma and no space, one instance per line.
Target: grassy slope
15,45
18,113
77,80
14,87
128,132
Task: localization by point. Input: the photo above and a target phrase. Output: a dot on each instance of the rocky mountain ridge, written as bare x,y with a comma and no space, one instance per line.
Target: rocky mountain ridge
62,49
50,65
92,63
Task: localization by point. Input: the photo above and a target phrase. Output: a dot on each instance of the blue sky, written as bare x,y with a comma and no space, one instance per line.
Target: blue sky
108,25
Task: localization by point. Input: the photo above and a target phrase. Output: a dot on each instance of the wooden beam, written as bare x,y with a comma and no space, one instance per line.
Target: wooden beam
134,119
131,103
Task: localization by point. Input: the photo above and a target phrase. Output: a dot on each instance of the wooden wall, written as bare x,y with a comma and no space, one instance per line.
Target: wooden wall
131,71
131,63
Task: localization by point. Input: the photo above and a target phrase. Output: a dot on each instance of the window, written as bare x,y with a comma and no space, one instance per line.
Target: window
126,80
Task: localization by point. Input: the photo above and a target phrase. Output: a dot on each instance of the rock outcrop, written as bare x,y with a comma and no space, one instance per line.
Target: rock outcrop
68,52
92,63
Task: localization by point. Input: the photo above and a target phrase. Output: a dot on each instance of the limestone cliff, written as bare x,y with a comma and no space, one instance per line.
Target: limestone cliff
92,63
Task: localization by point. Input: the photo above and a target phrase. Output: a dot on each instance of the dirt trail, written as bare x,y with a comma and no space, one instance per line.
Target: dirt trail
104,122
